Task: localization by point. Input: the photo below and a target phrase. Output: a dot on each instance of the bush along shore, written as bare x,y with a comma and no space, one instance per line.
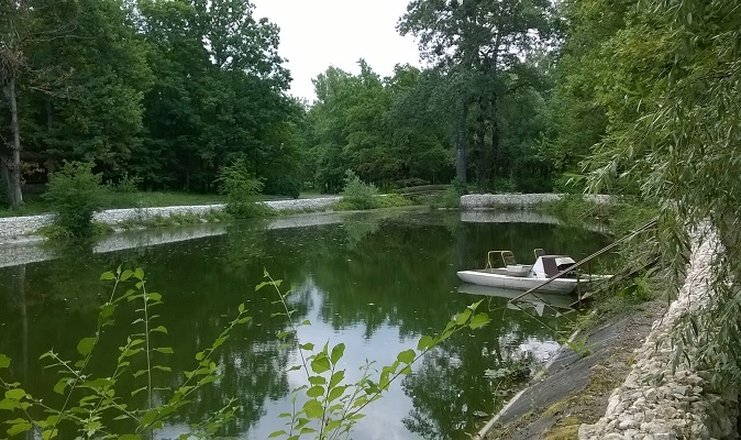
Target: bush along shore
75,194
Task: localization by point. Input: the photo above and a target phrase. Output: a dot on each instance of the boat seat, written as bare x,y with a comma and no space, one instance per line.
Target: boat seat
549,266
509,258
539,252
518,270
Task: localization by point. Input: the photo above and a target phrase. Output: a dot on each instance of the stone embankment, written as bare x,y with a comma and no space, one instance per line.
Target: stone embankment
20,226
29,251
517,201
659,402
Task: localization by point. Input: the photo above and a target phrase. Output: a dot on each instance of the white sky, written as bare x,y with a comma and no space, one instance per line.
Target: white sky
318,33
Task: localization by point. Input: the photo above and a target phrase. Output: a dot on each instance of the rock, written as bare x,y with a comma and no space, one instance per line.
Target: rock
679,389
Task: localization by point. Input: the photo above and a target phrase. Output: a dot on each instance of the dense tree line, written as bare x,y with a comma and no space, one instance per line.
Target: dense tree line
168,91
516,94
171,91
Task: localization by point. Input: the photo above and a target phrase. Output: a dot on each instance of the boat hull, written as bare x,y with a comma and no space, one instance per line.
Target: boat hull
561,285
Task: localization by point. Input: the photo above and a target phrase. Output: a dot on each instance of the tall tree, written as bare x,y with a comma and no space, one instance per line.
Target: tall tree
476,42
219,93
21,26
95,113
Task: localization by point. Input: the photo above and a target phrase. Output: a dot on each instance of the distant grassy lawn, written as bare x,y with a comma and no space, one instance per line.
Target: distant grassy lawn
35,204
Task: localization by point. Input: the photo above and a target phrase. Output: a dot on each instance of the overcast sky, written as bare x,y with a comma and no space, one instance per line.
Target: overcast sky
318,33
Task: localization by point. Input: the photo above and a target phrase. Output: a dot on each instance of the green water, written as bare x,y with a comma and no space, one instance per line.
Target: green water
375,283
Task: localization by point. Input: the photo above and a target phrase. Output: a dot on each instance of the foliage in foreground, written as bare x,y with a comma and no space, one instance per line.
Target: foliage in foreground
75,193
328,407
95,407
93,402
671,86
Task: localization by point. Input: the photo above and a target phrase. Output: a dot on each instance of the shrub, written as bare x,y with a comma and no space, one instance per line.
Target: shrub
126,184
242,189
358,194
75,193
449,199
393,201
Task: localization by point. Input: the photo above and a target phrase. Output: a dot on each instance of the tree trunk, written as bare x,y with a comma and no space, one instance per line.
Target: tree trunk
4,175
497,159
15,196
461,140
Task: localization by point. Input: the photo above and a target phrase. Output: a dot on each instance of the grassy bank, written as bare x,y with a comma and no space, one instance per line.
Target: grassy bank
35,203
621,217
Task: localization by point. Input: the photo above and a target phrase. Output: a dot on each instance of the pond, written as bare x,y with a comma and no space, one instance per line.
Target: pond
377,282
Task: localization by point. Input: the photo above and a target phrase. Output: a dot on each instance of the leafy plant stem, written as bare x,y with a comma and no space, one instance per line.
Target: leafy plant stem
147,341
85,363
290,322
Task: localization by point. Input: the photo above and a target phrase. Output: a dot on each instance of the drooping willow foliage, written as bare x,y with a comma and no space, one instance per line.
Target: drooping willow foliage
674,106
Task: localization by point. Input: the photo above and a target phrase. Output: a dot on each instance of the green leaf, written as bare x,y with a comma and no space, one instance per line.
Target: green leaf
139,274
337,352
160,329
61,385
137,391
19,428
320,364
129,437
277,434
127,274
8,404
462,317
155,296
165,350
315,391
336,378
308,346
313,409
4,361
406,356
317,380
479,321
336,393
331,426
425,342
86,345
107,276
15,394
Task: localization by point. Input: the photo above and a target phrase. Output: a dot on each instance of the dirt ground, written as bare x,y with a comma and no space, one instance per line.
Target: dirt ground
577,386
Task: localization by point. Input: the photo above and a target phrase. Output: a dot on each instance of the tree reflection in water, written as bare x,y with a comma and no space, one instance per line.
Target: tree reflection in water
381,282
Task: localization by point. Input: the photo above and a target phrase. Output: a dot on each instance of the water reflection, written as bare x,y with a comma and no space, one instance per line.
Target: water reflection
375,283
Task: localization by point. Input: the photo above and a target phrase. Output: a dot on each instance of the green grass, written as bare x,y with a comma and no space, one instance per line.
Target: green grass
158,199
35,204
381,202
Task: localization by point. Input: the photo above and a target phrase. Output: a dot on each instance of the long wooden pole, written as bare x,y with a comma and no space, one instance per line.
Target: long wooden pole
586,260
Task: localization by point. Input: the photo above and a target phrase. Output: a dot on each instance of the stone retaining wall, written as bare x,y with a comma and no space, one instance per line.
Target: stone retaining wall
655,402
519,201
18,226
